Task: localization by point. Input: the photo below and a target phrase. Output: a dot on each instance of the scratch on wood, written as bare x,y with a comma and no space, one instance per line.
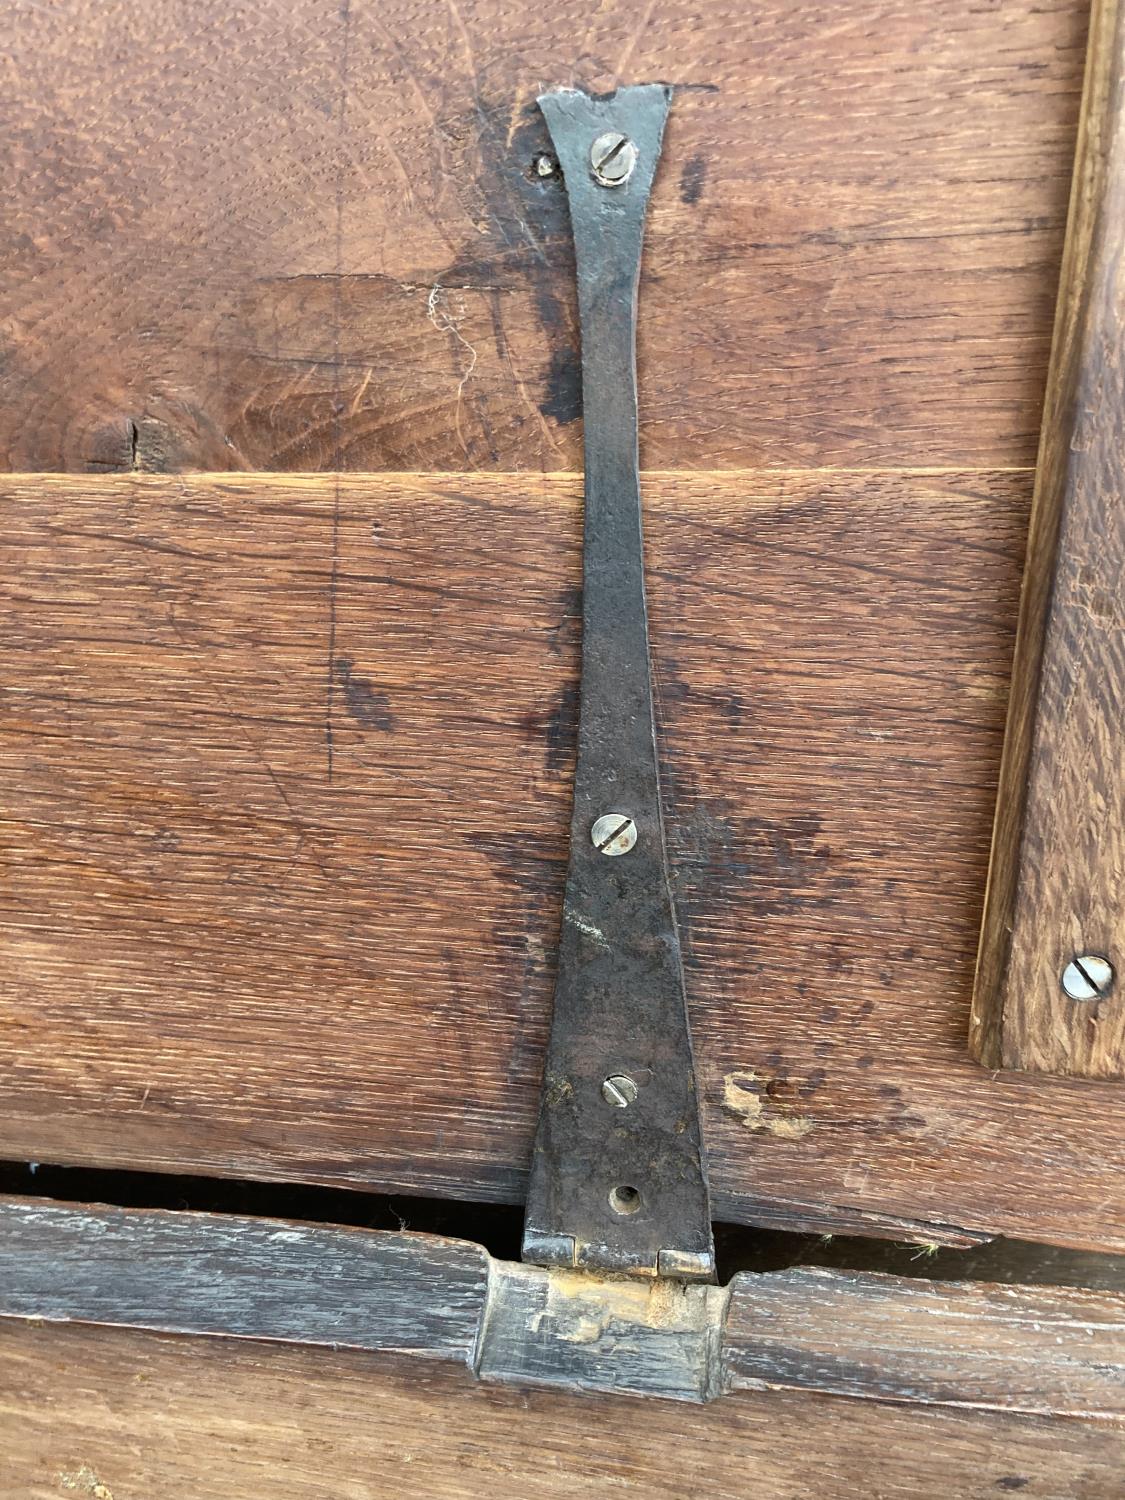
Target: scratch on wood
445,319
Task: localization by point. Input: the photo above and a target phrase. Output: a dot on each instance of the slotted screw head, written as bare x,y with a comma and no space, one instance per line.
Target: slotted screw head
1087,977
613,833
619,1090
612,158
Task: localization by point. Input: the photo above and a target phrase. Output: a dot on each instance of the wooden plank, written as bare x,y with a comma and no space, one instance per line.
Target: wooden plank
303,235
266,920
117,1415
1052,1350
249,1278
1019,1348
1057,883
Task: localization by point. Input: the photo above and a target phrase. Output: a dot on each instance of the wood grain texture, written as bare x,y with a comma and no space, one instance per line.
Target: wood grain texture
120,1416
270,918
956,1343
1057,882
249,1278
285,791
300,234
1051,1350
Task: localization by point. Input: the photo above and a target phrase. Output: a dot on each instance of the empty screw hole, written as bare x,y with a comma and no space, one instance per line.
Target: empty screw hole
625,1200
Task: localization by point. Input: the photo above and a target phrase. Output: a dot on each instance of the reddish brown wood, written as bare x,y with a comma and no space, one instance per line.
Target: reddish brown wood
265,919
305,234
1057,882
114,1415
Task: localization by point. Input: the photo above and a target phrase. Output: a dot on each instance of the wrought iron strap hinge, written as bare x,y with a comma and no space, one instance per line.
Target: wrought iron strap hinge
617,1178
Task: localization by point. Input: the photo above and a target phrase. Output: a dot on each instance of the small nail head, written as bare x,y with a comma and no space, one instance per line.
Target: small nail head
1087,977
613,157
619,1090
613,834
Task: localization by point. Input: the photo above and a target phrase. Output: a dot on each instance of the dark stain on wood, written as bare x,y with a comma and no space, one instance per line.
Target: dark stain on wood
563,402
692,178
267,958
365,705
555,733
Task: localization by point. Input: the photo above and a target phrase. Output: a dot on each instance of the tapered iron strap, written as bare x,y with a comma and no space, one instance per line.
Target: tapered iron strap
617,1178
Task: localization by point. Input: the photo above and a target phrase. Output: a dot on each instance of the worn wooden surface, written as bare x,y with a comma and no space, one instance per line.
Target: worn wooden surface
305,234
1057,885
861,1334
1057,1351
247,1277
268,918
123,1416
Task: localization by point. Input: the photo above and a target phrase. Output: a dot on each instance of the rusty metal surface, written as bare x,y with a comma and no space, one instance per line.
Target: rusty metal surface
617,1180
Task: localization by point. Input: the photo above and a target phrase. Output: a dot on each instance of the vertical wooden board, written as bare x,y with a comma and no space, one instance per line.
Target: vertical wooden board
306,234
1057,883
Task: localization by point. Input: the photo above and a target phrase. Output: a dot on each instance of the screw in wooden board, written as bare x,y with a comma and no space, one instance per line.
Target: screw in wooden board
1088,977
612,158
619,1090
613,833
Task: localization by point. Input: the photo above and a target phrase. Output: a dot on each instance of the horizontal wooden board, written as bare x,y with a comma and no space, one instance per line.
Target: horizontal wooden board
905,1339
274,1279
300,234
118,1415
285,774
1054,1351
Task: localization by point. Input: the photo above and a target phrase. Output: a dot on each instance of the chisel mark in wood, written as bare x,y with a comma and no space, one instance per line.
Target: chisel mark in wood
741,1098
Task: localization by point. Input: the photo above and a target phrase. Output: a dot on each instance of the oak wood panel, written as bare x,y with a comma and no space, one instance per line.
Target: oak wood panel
119,1415
305,234
1057,881
267,919
1051,1350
